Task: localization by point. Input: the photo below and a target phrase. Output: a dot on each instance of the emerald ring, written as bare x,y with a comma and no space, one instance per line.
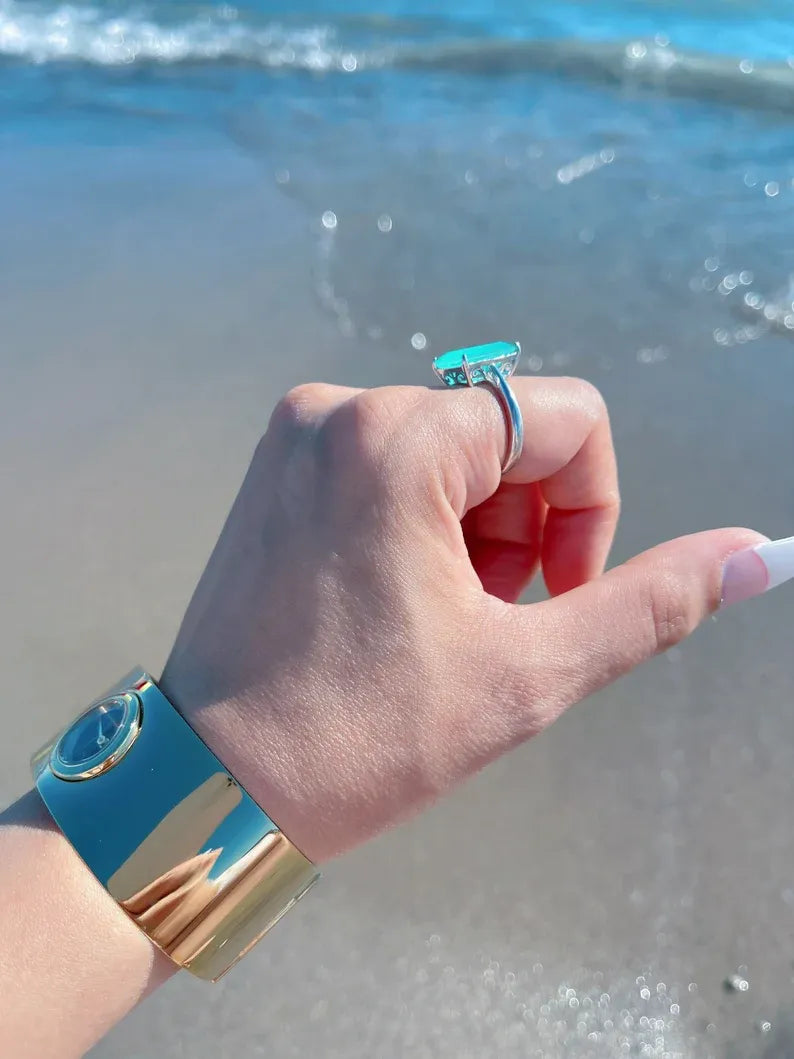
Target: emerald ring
490,365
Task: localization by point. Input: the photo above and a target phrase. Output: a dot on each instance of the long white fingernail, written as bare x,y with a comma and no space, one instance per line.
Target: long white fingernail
755,570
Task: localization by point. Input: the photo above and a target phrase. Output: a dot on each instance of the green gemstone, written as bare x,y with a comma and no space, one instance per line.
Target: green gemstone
502,355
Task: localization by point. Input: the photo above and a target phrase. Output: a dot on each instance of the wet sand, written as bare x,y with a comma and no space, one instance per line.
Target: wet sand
647,835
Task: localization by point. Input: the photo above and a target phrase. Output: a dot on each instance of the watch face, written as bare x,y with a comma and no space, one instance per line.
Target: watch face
98,739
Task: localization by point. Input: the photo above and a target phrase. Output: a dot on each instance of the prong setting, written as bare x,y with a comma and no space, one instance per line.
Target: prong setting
474,364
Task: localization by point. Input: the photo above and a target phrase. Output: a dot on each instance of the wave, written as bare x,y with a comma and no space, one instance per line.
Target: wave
653,64
98,37
94,36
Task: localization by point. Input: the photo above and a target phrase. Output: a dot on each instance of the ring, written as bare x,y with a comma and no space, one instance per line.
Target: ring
490,365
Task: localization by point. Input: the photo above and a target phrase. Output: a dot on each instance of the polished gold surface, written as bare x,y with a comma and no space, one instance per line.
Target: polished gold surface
177,842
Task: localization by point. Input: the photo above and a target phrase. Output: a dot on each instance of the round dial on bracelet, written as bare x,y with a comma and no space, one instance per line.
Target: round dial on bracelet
98,739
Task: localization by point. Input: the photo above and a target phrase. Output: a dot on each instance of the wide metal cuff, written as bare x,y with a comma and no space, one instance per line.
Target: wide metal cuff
185,851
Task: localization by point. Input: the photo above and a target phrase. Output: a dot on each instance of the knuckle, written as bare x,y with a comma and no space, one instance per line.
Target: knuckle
299,407
293,423
370,415
669,611
526,704
591,400
352,434
366,431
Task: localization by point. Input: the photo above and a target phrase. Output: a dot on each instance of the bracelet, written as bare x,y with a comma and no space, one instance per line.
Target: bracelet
172,836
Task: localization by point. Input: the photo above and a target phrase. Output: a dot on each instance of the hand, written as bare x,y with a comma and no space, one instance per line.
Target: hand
354,650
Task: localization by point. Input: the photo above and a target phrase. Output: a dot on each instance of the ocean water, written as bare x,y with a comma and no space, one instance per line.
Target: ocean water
501,148
202,204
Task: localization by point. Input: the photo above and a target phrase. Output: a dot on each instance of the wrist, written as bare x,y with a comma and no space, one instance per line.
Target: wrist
198,865
55,914
258,744
219,721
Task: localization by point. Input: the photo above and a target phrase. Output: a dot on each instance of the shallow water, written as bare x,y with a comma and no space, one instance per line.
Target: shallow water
201,205
636,158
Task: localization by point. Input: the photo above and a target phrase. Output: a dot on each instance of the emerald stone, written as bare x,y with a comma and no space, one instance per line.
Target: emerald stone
480,361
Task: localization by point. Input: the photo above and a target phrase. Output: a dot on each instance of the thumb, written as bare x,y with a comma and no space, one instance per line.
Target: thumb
590,636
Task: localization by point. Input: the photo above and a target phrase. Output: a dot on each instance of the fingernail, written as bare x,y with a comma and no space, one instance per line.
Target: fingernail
755,570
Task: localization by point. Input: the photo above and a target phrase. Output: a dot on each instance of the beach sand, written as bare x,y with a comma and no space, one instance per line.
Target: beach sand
157,306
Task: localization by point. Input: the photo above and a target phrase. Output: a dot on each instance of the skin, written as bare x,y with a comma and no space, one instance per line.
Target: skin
354,649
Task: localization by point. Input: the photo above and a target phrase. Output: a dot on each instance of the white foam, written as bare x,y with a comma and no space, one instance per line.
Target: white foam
34,32
73,33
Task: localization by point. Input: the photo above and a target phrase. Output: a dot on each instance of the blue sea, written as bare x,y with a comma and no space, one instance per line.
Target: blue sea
538,154
536,132
203,204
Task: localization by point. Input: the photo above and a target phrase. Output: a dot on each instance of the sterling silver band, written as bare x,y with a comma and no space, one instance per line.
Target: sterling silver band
514,421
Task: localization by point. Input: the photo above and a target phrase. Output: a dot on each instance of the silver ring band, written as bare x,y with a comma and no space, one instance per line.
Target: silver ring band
490,365
514,421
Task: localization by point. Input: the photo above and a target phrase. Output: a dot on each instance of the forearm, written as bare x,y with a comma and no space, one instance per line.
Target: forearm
67,947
